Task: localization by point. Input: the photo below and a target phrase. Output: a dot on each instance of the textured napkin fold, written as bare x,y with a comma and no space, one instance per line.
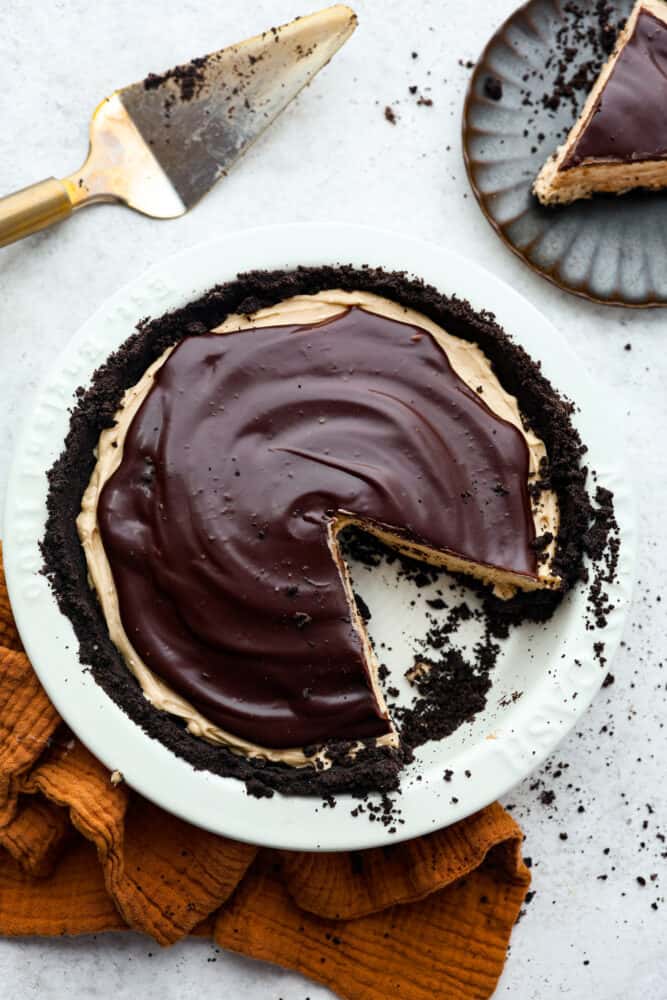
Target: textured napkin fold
427,919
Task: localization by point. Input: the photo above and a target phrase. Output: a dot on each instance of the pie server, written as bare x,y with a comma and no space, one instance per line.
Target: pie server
160,144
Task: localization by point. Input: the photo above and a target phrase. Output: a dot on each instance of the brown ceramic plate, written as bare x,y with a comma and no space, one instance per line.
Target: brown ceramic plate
609,249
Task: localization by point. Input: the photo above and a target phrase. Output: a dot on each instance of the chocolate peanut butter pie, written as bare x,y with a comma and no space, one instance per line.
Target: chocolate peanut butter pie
196,512
619,141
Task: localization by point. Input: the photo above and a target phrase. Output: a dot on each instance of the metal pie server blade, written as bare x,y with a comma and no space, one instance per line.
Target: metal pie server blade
159,145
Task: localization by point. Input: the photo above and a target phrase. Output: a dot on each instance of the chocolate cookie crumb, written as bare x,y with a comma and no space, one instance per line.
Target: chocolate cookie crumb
493,88
364,611
583,44
189,77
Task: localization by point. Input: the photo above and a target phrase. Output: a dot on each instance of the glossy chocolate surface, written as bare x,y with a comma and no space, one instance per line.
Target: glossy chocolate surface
630,119
216,522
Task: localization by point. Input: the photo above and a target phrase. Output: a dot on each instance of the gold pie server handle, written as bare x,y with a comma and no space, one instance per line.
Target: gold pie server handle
120,167
33,208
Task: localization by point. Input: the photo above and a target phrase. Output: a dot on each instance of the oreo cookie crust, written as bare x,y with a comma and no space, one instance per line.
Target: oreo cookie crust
544,411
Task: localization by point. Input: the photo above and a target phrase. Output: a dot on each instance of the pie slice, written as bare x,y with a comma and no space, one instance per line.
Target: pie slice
619,141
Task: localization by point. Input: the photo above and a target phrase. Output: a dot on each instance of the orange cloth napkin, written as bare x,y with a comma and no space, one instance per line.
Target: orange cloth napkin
426,919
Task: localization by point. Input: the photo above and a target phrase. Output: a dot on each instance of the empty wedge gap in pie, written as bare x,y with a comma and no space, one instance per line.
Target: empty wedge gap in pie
211,518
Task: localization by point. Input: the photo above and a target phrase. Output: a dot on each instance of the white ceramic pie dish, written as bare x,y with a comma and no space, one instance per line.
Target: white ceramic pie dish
553,665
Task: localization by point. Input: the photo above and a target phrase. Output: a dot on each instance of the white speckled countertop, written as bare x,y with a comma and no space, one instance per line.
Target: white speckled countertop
333,156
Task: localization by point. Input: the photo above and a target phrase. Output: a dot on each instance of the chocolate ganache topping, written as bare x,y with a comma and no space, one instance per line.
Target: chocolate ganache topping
629,120
246,456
